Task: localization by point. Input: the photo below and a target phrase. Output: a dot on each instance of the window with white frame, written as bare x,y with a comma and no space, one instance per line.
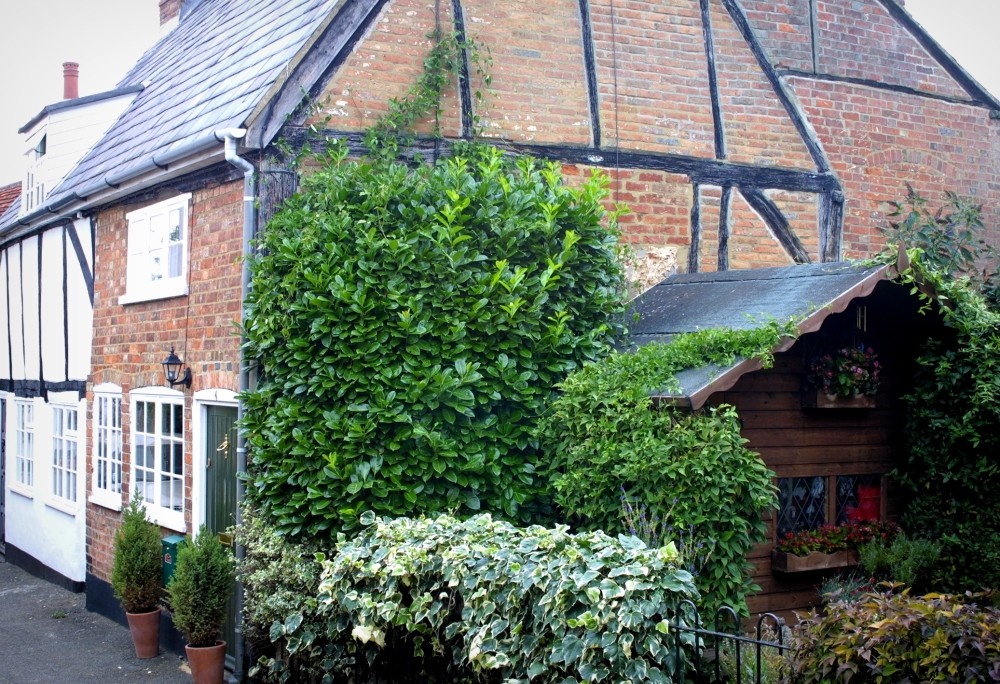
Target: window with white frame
107,474
24,443
158,454
65,452
157,251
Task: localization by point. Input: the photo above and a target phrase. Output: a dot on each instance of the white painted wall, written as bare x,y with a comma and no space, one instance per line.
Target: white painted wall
37,312
46,528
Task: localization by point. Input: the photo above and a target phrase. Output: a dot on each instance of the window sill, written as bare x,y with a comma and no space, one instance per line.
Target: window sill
820,400
70,508
167,291
106,500
171,520
21,490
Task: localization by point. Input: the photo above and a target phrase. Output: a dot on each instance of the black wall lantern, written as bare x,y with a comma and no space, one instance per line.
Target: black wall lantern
172,369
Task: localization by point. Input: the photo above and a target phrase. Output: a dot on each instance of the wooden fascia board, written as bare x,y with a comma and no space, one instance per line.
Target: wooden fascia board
314,60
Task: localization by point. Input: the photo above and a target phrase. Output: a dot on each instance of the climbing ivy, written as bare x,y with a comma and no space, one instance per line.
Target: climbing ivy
606,439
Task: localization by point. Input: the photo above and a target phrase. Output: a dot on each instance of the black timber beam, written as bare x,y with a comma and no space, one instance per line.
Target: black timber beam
713,80
699,170
878,85
464,82
805,131
778,224
590,69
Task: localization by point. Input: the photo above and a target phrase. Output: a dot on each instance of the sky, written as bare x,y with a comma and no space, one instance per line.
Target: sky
107,36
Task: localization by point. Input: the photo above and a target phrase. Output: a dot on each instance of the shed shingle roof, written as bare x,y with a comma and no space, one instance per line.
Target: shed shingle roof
744,299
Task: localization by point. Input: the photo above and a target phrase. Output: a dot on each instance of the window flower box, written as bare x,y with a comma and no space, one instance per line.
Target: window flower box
784,562
821,400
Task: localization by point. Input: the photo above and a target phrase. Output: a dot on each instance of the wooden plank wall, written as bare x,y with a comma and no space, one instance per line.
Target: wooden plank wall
797,442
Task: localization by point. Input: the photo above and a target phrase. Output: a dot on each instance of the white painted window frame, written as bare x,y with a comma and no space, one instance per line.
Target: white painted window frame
165,487
108,445
22,446
64,460
148,236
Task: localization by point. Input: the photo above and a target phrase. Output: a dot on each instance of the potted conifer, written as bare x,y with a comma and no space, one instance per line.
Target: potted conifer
202,582
136,576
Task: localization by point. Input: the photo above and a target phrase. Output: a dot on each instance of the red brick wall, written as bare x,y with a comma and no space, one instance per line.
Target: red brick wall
879,141
131,341
653,97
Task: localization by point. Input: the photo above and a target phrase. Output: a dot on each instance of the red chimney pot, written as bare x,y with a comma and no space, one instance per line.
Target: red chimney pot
71,80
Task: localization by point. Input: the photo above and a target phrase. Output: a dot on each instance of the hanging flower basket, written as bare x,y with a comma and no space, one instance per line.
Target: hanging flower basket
845,378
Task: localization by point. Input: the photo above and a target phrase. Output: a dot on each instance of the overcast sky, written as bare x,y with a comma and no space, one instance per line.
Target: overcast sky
107,36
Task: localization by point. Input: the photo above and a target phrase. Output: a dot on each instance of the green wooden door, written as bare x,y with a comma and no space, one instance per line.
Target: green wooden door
220,493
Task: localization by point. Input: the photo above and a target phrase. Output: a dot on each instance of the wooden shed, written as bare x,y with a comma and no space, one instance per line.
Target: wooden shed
830,457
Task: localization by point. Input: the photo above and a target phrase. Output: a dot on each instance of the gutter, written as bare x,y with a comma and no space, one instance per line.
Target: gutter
119,183
230,136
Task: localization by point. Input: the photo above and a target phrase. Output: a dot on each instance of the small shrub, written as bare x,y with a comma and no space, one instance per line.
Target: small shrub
899,638
201,585
481,601
280,578
137,570
903,560
691,470
846,586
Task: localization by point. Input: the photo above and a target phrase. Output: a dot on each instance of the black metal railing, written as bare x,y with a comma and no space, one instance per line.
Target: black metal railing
727,654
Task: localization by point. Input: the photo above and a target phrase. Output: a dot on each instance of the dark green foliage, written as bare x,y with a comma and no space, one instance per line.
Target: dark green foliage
951,469
898,638
949,239
690,470
903,560
201,585
410,324
136,573
480,600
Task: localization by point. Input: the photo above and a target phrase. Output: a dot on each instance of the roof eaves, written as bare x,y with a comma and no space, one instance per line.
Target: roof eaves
725,377
301,75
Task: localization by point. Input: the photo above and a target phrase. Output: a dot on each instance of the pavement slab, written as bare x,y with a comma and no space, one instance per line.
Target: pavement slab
47,636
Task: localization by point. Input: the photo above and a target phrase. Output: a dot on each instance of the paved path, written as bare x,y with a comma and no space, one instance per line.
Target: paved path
47,636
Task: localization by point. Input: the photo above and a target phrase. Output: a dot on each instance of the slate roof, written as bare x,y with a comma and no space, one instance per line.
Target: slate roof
744,299
207,74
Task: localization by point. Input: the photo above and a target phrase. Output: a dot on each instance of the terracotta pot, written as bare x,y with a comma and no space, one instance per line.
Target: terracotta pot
145,629
208,663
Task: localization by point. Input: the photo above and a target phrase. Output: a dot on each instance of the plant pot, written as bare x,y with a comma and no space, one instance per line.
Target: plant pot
145,629
782,561
821,400
208,663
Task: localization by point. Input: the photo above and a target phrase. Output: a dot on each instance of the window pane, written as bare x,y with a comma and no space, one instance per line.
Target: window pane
859,497
802,504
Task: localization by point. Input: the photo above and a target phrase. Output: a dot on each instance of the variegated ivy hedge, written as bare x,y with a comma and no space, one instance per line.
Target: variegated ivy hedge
481,600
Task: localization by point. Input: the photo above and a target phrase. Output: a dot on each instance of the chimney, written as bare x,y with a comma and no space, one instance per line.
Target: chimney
71,80
170,10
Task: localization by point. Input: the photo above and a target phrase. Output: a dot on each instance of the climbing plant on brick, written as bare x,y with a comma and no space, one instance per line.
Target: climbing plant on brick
410,324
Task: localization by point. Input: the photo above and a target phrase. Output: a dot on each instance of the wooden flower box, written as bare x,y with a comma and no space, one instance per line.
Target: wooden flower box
782,561
820,400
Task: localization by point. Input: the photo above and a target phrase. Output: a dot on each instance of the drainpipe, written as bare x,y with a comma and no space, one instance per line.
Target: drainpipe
230,136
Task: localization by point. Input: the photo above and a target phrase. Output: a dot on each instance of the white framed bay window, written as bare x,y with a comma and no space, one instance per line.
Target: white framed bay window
157,251
157,443
106,487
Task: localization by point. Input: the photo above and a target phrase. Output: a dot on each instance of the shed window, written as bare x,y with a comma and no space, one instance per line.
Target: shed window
808,503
